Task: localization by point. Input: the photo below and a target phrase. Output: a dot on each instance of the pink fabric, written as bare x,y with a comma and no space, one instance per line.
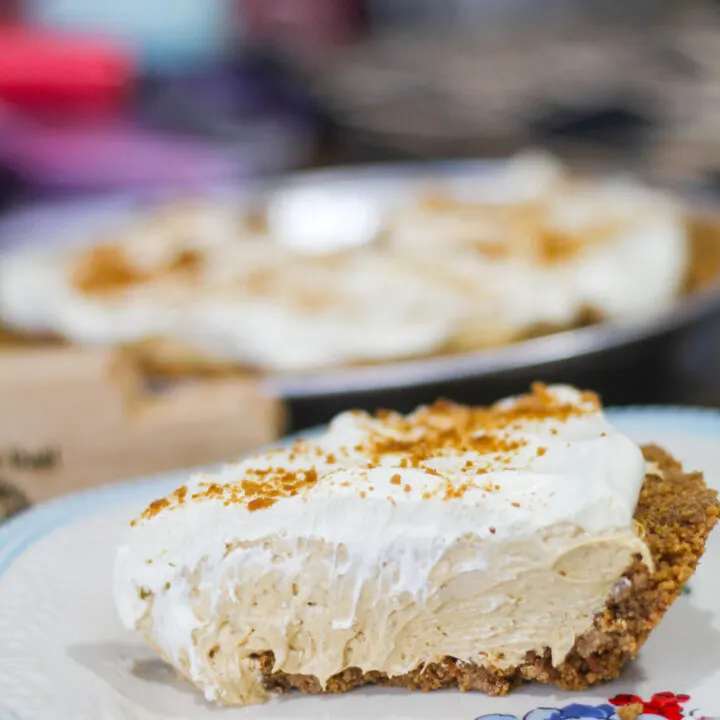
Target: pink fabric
47,71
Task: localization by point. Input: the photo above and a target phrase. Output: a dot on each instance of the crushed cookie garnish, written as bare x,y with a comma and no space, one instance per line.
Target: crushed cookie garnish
260,503
452,492
180,494
155,507
441,430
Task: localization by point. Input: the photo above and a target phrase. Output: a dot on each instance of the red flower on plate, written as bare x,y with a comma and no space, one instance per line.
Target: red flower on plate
664,704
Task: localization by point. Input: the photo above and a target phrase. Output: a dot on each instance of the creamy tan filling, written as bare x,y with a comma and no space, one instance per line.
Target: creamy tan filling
485,602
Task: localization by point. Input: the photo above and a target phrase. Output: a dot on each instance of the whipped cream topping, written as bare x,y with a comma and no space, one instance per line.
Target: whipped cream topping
389,542
481,261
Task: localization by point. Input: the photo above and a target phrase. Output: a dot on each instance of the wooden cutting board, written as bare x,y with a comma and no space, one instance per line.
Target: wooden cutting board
73,418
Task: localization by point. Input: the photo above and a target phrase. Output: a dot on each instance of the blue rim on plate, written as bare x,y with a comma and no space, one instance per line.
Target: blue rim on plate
19,533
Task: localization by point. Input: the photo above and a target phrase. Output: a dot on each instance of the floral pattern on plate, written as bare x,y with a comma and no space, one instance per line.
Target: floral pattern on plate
666,705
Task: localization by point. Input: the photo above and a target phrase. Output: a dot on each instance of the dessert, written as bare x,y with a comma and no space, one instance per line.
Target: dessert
460,264
456,546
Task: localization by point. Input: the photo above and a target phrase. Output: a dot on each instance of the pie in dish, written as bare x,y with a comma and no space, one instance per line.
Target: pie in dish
470,547
333,275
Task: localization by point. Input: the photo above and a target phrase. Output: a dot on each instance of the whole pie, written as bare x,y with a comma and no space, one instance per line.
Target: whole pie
340,275
470,547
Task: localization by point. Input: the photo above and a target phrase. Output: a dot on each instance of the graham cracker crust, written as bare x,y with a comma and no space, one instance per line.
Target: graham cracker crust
676,511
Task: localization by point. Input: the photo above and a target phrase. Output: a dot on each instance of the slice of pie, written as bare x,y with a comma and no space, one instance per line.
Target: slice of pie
456,546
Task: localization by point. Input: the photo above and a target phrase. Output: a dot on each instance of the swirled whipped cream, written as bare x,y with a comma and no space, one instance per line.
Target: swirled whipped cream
478,262
388,542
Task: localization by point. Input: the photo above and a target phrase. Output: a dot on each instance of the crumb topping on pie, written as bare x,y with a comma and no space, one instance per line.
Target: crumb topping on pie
487,439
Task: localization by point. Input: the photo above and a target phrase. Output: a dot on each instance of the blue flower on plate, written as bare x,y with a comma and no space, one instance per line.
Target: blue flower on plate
575,711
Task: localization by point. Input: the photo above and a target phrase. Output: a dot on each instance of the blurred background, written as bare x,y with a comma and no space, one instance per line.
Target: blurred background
198,91
101,99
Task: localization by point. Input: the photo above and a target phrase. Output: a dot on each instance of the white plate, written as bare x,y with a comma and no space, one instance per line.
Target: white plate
65,656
